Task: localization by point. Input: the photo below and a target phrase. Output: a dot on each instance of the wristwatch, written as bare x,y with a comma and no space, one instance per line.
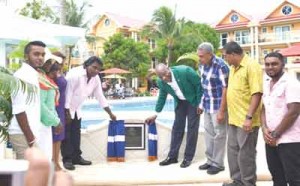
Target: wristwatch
275,134
248,117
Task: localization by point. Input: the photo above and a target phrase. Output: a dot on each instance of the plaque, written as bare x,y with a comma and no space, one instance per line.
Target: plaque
135,136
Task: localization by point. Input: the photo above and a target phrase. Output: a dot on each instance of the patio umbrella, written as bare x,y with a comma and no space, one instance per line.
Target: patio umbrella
115,71
291,51
114,76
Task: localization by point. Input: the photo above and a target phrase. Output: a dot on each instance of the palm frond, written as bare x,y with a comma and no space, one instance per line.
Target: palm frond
189,56
9,86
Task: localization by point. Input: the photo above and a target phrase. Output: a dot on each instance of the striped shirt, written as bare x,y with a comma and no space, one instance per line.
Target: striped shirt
214,78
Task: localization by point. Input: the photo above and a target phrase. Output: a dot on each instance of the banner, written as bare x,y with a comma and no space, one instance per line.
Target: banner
116,141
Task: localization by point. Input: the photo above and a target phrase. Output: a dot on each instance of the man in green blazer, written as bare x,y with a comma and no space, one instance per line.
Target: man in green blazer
183,83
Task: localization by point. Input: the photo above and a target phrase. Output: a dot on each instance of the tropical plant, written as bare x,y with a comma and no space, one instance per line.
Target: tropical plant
9,86
37,9
127,54
75,14
165,26
190,59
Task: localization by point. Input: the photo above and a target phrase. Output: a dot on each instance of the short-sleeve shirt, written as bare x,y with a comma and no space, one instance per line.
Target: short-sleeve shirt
244,81
286,90
20,102
214,78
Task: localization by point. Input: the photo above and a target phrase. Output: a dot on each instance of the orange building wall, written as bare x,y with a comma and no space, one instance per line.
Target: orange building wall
278,13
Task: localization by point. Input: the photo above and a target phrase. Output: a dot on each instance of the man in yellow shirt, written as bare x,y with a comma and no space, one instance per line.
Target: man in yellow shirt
243,98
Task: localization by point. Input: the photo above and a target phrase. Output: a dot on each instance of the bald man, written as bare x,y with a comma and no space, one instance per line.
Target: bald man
183,83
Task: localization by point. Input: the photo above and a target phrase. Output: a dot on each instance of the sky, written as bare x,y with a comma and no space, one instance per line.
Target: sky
201,11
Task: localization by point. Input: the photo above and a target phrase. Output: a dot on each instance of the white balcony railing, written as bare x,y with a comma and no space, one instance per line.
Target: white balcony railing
289,36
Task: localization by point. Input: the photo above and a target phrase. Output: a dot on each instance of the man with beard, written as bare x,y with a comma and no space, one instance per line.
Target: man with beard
25,128
281,122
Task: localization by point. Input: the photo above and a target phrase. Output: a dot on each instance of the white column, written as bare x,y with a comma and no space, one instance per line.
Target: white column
2,150
257,54
136,37
2,54
252,41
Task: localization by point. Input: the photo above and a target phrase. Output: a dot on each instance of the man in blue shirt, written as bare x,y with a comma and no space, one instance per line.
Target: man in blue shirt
214,78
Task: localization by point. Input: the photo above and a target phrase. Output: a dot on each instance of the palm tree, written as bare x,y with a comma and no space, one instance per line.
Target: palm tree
164,25
75,15
10,85
189,58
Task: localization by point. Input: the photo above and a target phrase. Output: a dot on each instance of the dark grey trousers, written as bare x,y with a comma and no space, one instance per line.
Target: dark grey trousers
185,110
241,152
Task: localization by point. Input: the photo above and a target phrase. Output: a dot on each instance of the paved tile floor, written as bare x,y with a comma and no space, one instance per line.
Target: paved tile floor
150,173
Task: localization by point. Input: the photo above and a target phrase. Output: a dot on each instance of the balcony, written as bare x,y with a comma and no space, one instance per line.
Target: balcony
277,38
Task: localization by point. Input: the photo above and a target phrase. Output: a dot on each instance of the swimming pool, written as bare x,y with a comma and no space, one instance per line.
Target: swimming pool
142,107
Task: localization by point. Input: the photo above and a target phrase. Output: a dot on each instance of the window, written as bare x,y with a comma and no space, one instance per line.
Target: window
286,10
151,43
234,18
264,30
298,75
223,39
107,22
265,52
282,33
242,37
138,38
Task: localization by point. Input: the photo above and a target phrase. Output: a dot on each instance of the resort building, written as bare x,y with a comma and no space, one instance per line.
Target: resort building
278,29
110,24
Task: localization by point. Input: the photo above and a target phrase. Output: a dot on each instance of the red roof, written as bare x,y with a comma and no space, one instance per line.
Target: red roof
293,50
123,21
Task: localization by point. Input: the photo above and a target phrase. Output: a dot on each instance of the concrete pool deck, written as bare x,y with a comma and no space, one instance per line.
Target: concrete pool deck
136,170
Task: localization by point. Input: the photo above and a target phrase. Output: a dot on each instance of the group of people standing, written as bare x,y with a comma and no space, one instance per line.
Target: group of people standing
51,120
235,101
229,97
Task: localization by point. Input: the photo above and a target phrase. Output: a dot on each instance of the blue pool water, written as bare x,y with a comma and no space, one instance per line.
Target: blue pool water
94,111
132,105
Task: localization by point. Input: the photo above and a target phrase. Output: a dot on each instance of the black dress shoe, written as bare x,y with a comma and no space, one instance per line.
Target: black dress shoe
205,166
234,183
168,161
69,165
185,163
82,161
214,170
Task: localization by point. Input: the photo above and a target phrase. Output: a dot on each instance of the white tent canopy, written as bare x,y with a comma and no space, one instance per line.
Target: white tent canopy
16,28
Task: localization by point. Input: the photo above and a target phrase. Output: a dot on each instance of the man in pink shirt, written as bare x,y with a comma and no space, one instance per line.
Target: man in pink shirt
82,82
281,122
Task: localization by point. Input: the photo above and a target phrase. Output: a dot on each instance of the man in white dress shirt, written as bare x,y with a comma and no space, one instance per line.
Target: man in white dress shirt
82,82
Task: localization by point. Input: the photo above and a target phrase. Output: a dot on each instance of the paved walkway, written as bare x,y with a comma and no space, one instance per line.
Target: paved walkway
150,173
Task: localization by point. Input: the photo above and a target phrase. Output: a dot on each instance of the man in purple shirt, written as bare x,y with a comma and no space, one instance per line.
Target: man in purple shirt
82,82
281,122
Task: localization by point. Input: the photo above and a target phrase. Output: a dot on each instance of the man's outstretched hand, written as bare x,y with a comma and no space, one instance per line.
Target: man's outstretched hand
151,119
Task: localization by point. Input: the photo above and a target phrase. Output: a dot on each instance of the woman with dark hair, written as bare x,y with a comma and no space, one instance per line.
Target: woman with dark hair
60,109
49,96
82,82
